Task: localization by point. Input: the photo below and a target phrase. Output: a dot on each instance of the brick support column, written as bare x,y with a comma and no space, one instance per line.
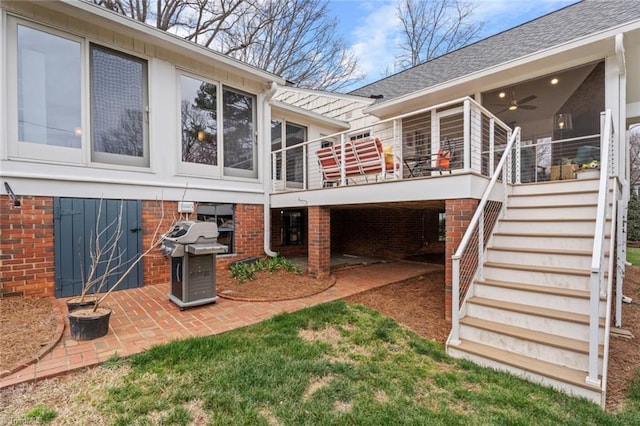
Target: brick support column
319,241
459,213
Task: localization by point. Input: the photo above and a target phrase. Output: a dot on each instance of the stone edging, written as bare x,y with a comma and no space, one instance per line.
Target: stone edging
249,299
42,352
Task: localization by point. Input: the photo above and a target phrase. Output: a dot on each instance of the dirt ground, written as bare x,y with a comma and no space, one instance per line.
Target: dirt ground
26,324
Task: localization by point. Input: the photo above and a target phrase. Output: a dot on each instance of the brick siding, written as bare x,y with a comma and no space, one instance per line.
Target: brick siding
26,246
459,213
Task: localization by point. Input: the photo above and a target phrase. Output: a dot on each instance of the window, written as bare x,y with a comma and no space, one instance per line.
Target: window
118,108
238,112
48,95
295,134
67,105
292,223
222,215
199,121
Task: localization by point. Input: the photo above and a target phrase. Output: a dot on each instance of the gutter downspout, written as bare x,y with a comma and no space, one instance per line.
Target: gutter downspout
272,88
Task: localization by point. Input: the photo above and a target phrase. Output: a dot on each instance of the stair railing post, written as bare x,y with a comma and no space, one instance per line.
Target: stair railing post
343,156
594,326
492,141
455,301
305,160
467,133
481,246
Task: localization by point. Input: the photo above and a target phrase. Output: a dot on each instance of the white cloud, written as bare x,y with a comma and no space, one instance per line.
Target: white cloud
373,36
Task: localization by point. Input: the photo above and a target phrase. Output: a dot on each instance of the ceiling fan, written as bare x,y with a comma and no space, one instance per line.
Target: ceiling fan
515,104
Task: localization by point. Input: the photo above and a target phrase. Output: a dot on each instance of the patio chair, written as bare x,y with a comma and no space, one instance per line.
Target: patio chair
329,166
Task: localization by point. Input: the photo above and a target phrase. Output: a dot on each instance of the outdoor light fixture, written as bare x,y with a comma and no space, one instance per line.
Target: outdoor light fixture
502,95
513,106
554,81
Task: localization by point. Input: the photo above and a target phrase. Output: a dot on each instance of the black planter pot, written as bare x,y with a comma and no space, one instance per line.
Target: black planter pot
85,324
75,303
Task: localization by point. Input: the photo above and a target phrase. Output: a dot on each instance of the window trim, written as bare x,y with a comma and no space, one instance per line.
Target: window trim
107,157
24,150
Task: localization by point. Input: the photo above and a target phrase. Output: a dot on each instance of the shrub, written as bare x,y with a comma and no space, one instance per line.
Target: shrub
246,271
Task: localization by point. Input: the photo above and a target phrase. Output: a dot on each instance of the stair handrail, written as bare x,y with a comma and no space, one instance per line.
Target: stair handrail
610,269
476,221
597,258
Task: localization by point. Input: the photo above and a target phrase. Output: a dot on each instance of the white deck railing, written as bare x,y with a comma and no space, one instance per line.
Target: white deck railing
414,139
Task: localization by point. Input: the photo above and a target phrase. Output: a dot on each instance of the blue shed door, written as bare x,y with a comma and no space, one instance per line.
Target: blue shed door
75,223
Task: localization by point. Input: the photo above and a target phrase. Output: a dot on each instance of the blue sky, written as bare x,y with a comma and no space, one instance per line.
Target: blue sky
369,27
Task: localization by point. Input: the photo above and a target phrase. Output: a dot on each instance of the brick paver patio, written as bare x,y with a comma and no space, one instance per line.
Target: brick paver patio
145,317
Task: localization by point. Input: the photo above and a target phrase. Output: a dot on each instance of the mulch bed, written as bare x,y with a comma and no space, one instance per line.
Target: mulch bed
271,286
27,326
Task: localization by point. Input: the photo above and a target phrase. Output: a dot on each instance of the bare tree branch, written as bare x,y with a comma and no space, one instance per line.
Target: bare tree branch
296,39
431,28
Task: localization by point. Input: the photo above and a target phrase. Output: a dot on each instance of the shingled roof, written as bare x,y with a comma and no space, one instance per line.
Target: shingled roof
570,23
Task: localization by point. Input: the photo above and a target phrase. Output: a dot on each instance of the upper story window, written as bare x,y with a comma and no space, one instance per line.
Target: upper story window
199,122
238,113
118,108
293,134
53,118
49,89
203,113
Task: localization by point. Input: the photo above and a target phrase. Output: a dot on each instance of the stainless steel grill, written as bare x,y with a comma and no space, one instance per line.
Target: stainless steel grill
193,247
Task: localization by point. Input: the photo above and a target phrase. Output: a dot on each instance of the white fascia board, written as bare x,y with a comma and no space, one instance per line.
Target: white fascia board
310,115
445,187
336,95
81,9
588,48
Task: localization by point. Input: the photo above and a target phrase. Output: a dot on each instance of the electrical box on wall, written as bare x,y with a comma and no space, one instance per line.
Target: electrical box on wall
185,207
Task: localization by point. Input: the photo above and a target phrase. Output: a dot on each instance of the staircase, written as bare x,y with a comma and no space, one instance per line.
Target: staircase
529,312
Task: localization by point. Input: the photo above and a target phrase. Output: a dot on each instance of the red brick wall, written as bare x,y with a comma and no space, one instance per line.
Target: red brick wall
27,243
156,269
459,214
392,233
319,241
26,246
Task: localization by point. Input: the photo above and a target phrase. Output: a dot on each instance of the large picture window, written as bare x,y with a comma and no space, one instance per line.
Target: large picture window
118,108
238,114
48,89
199,121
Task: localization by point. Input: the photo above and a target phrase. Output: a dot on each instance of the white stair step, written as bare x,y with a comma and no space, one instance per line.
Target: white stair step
566,324
562,299
572,278
577,226
565,379
564,186
581,242
539,257
554,198
563,351
550,211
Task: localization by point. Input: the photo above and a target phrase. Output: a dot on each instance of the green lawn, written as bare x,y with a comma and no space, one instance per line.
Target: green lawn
633,256
332,364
